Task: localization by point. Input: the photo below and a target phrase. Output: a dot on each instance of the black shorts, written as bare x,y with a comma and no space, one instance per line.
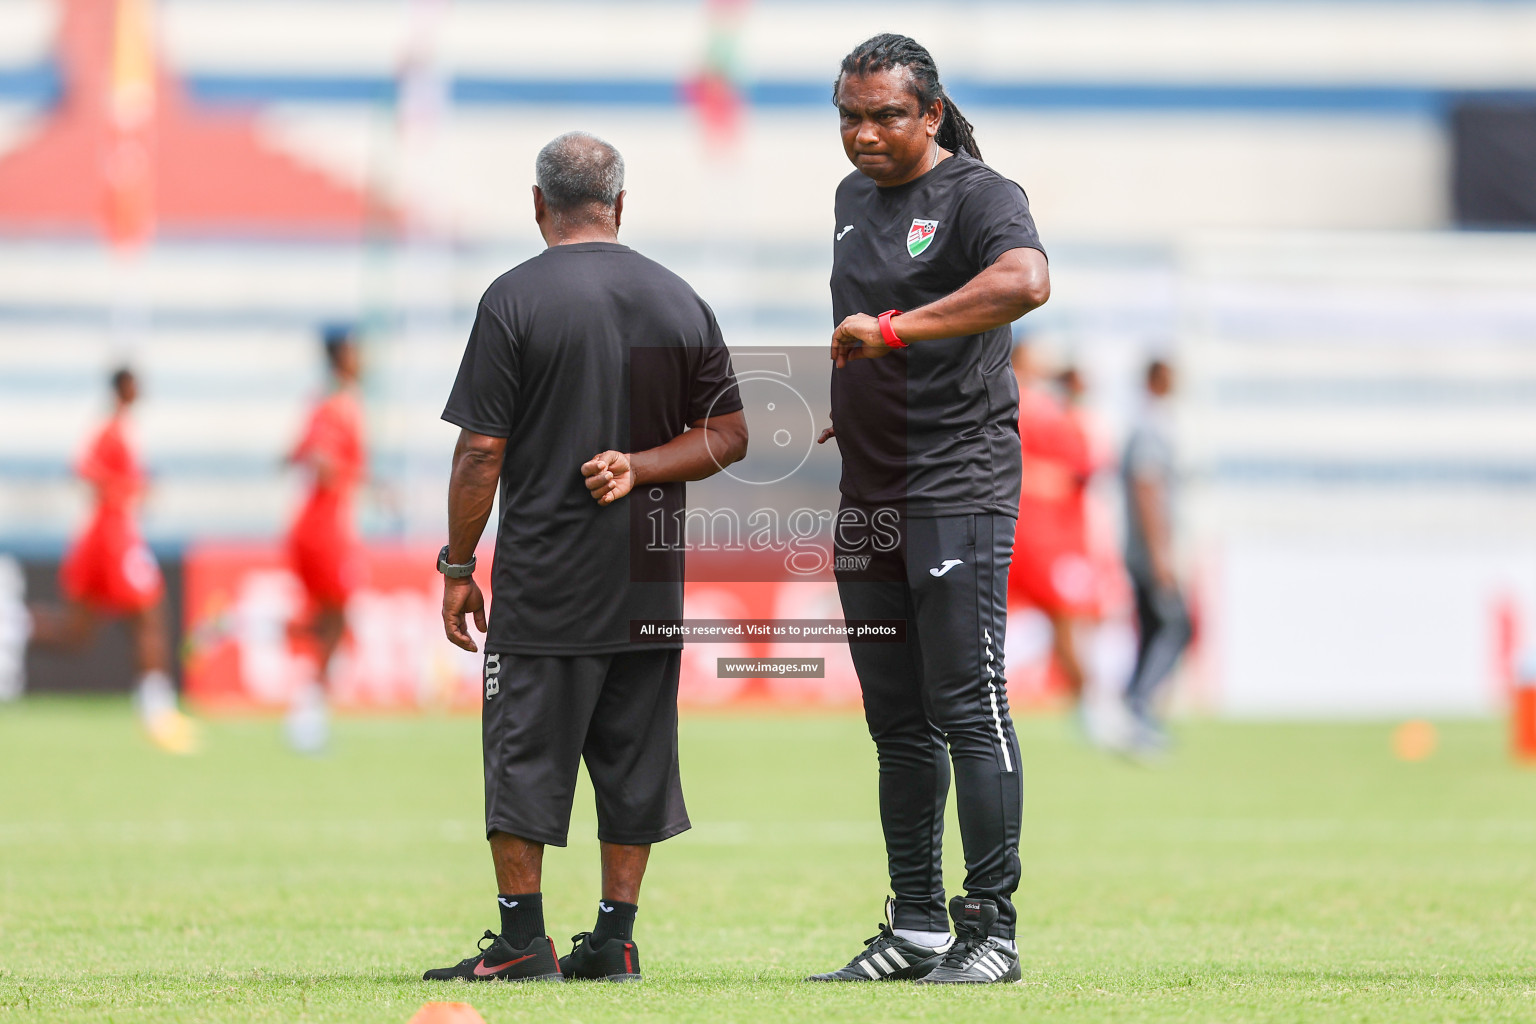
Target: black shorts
542,714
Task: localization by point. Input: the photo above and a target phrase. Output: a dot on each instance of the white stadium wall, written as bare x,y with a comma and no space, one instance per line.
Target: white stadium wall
1358,431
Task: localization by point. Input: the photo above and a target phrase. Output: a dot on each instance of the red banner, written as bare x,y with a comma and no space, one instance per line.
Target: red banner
246,648
245,612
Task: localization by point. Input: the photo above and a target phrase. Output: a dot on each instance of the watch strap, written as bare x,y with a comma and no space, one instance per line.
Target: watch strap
452,571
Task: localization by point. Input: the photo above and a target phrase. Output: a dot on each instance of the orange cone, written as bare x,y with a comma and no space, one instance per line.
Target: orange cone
1522,719
1414,741
447,1013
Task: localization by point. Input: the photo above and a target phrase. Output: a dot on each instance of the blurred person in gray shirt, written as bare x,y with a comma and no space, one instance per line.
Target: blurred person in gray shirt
1148,475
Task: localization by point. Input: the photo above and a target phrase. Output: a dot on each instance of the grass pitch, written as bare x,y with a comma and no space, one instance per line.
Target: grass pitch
1267,873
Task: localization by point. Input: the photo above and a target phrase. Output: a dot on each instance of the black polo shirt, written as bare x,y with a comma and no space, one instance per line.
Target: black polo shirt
933,428
585,348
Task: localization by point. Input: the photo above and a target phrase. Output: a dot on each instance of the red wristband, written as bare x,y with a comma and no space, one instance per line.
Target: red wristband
887,331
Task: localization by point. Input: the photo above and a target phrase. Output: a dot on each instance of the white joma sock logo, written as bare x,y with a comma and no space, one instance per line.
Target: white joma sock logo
509,904
605,908
949,563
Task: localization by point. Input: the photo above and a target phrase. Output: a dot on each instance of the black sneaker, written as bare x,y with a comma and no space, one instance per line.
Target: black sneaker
976,958
886,957
500,962
613,960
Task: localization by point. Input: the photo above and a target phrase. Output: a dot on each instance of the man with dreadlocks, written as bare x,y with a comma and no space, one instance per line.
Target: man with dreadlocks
935,254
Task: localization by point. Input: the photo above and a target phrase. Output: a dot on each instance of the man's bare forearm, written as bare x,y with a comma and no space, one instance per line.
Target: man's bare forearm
695,454
1017,282
472,491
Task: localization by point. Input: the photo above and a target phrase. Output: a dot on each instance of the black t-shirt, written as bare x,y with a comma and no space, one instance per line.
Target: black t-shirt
585,348
933,427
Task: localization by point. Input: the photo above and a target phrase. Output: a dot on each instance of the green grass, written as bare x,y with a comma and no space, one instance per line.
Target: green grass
1267,873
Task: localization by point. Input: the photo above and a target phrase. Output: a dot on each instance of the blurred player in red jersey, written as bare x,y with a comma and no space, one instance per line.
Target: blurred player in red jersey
109,571
322,544
1051,569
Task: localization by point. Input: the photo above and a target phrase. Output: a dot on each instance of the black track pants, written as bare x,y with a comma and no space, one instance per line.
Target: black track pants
940,698
1163,629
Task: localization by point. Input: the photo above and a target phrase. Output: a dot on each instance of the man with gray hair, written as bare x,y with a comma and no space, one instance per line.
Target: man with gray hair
595,383
579,169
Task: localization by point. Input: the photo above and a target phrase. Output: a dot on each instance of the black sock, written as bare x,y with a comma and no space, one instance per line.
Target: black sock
522,917
615,920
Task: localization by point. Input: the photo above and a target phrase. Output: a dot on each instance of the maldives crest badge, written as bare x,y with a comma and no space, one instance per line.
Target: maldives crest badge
921,235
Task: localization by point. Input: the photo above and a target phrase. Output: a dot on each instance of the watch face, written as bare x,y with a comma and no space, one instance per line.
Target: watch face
450,570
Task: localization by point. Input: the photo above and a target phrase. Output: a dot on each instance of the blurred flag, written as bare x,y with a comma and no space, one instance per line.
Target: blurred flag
128,174
716,93
425,93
